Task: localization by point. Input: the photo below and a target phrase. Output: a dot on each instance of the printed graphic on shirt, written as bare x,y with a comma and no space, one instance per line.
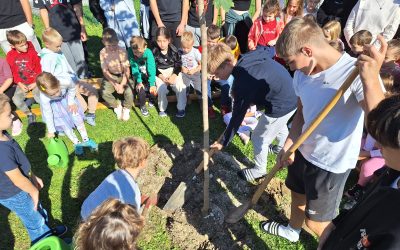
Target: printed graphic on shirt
23,71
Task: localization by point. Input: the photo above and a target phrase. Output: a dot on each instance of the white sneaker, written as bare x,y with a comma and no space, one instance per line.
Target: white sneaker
118,112
125,114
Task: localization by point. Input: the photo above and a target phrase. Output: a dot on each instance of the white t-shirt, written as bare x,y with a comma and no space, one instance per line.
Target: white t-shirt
191,59
335,144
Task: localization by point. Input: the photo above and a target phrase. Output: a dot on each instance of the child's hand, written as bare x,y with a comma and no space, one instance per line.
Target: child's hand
217,146
162,77
153,90
272,43
73,108
35,198
37,182
120,89
139,86
31,86
51,135
23,87
172,79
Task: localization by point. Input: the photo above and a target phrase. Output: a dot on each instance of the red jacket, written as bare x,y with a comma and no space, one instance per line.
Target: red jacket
257,29
24,66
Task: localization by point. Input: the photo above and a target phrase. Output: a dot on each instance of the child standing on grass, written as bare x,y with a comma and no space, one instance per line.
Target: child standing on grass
113,225
143,69
19,185
61,110
25,66
191,62
169,67
55,62
115,67
130,155
267,28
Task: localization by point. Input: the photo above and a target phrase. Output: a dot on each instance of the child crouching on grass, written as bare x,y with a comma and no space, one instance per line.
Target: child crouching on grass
115,67
19,190
113,225
130,155
61,110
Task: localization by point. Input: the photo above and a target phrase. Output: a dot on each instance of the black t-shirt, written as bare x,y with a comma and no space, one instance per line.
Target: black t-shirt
373,223
62,17
12,157
193,19
170,10
335,9
241,5
11,14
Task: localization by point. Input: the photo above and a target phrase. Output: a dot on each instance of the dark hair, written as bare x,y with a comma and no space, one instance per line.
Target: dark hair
361,38
271,6
383,122
162,31
231,41
213,32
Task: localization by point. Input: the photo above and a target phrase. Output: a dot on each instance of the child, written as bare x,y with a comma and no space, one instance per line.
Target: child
55,62
311,8
169,67
191,62
332,31
248,124
66,16
293,8
232,42
61,110
130,155
8,88
113,225
143,68
359,40
213,35
391,62
19,185
267,28
115,67
25,66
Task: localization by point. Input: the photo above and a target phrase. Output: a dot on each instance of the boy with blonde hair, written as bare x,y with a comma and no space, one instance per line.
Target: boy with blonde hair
320,167
130,156
54,61
25,66
191,62
115,67
143,68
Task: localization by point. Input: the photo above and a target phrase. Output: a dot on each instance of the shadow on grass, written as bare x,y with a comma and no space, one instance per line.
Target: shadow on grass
7,239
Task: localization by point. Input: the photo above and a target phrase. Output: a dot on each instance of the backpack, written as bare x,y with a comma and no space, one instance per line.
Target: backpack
63,19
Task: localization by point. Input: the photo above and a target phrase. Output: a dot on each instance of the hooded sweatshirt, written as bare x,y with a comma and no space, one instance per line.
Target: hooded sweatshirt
261,81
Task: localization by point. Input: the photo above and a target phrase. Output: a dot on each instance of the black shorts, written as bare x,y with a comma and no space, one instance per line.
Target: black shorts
323,189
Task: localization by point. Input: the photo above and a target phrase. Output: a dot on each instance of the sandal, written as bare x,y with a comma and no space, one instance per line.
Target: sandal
270,227
247,175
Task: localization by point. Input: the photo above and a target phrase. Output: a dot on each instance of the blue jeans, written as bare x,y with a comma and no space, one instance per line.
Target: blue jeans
35,221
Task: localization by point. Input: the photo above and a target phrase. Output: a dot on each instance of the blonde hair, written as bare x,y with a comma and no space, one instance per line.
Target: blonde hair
3,100
218,56
45,81
334,29
298,33
299,12
187,38
109,37
51,35
112,225
394,46
361,38
138,42
15,37
129,152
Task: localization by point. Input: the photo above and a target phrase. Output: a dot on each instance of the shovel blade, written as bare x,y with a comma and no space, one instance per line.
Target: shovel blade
238,212
177,199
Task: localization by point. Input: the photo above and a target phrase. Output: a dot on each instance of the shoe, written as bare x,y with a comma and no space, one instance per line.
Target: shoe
151,104
245,138
59,231
90,119
225,110
78,148
125,114
144,111
90,144
60,133
247,175
16,127
355,192
162,114
211,113
180,113
274,149
31,118
118,112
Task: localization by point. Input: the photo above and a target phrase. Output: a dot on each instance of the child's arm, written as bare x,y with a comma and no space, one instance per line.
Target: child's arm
104,69
47,114
23,183
252,37
151,68
123,57
198,59
136,74
177,68
6,84
6,72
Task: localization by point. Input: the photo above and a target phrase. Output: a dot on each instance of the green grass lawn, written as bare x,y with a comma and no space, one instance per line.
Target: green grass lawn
65,188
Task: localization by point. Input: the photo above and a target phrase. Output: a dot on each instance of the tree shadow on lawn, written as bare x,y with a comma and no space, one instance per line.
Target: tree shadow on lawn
7,239
89,178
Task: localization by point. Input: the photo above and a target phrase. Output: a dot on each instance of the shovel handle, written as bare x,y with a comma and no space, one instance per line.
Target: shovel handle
324,112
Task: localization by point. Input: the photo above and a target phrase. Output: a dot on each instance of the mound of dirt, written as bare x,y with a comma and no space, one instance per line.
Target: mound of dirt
169,165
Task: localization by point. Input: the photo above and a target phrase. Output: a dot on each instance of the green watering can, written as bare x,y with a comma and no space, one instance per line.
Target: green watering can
58,153
51,243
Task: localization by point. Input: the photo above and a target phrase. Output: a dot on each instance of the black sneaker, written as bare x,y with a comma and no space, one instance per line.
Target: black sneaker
31,118
180,113
355,192
59,231
144,111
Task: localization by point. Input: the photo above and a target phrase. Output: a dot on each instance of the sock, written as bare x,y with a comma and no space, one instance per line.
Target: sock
71,135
